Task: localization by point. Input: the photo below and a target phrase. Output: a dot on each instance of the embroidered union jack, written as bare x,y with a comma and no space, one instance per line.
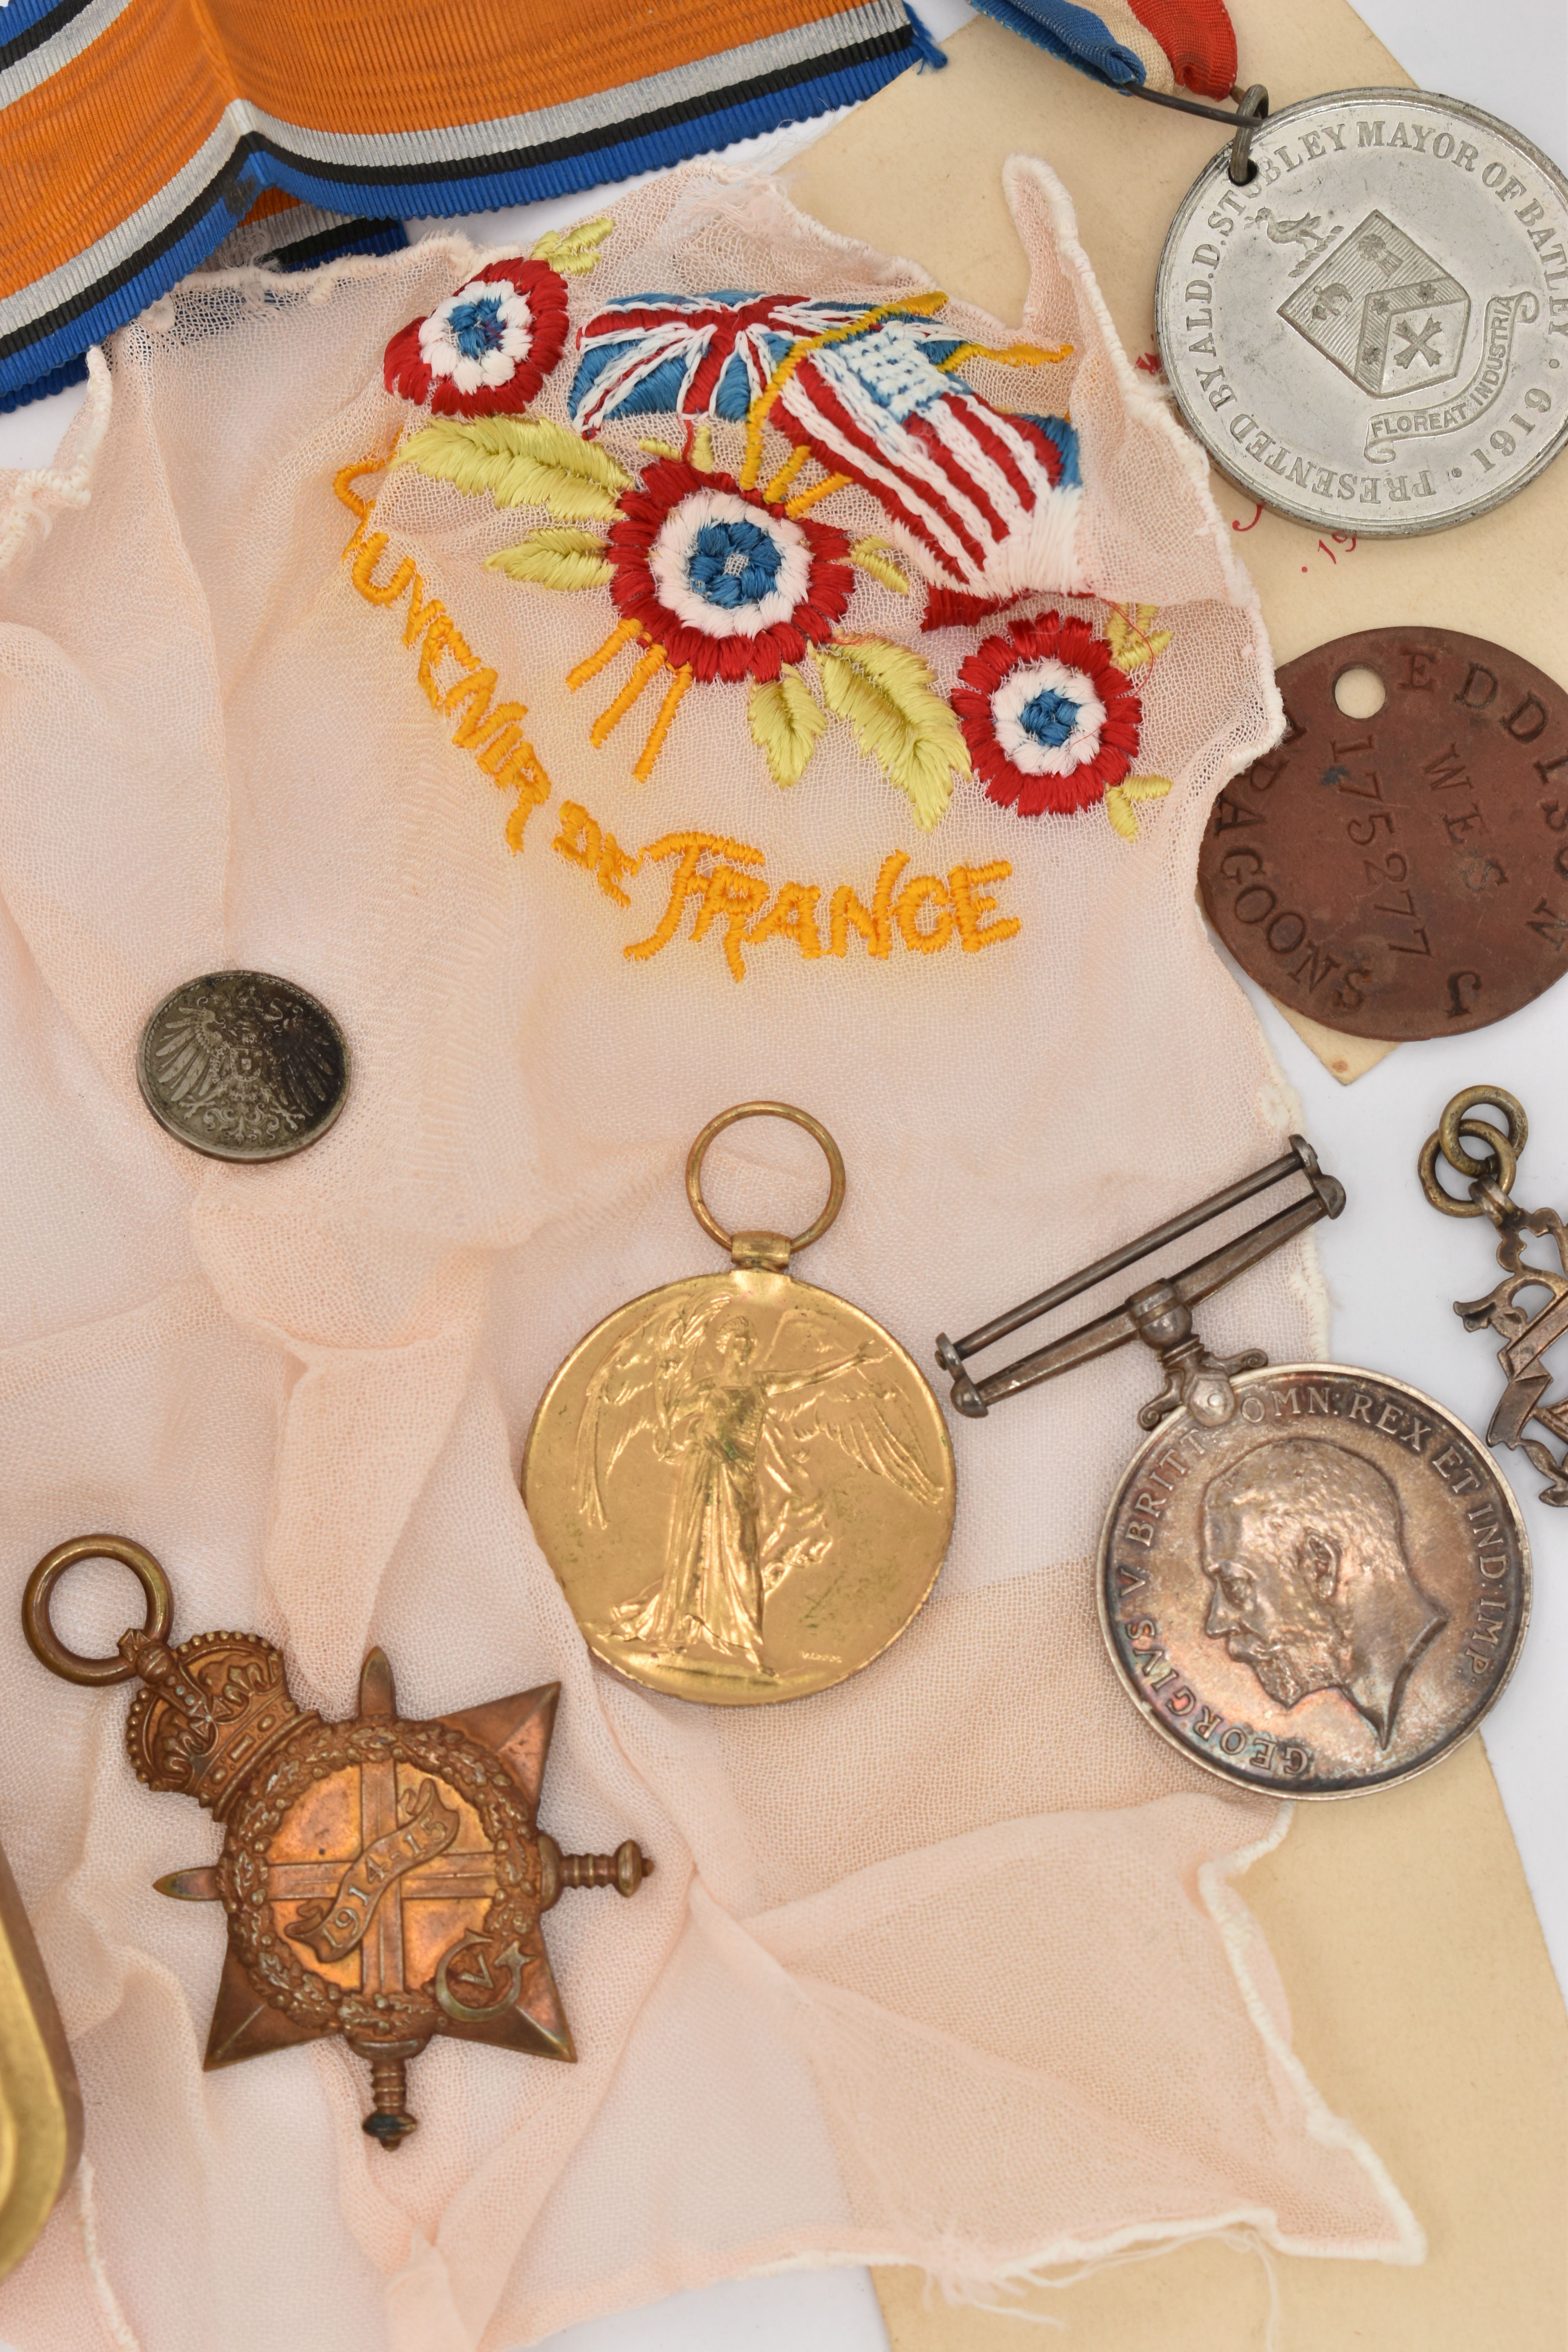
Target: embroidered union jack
693,354
982,500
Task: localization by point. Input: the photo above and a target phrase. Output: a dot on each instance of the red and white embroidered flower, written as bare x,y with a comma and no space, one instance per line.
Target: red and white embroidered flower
488,347
1048,716
728,586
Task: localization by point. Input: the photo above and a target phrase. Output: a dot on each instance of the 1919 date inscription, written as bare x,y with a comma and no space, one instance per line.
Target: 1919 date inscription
1406,874
1372,333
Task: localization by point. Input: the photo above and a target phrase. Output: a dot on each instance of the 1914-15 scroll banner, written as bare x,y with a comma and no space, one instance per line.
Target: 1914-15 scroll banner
135,133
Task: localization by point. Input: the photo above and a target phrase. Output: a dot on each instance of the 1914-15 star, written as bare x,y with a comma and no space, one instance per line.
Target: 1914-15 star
382,1880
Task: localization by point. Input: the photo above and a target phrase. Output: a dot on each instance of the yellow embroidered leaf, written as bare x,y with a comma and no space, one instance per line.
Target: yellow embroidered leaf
556,559
574,251
518,461
875,556
1120,799
702,447
884,691
1128,632
785,719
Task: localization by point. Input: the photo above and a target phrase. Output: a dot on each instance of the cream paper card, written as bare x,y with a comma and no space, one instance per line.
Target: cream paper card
919,170
1423,2000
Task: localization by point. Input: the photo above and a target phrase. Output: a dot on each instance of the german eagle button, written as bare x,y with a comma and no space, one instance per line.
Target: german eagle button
243,1065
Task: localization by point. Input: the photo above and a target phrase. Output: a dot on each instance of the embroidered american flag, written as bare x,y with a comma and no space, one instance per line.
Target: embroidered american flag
982,499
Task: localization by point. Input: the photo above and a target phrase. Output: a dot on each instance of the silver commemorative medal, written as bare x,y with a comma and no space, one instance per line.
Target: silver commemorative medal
1311,1580
1369,331
243,1065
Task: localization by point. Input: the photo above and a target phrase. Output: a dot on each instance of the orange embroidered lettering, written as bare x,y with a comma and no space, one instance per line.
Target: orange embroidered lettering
579,839
343,482
971,905
615,867
485,719
792,915
476,691
443,636
925,890
504,738
581,842
736,896
686,882
709,875
488,730
365,562
422,611
873,926
523,775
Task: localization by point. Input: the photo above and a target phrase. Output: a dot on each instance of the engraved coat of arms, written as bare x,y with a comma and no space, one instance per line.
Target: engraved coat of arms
1381,309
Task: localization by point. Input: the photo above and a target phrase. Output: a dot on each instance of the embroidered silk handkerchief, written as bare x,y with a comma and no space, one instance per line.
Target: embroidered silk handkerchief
695,660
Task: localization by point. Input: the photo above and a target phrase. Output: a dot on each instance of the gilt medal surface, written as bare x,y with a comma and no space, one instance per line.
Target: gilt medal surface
1371,336
745,1484
1323,1595
243,1065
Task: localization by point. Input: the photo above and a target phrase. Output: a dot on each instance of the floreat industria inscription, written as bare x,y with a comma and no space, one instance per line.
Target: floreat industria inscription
1372,333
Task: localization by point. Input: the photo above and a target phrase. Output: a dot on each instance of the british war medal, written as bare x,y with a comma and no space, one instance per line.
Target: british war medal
1310,1579
382,1880
745,1484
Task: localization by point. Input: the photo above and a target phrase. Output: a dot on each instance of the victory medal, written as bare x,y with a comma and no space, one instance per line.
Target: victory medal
743,1483
1371,333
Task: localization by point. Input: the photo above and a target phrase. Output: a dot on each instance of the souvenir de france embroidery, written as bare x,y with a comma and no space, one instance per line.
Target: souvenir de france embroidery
490,732
718,879
725,578
713,876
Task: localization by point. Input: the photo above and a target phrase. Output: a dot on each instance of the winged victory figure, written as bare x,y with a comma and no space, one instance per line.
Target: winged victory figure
736,1420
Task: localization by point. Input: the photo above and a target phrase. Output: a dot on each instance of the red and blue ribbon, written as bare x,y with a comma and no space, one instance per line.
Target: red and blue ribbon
1158,44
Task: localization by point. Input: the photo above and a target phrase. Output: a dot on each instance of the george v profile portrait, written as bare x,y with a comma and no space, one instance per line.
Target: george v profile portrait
1310,1583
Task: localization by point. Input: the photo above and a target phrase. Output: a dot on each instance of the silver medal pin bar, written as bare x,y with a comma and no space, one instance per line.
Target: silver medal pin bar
1161,1312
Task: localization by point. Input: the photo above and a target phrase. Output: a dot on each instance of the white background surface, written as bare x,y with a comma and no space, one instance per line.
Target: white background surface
1393,1266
